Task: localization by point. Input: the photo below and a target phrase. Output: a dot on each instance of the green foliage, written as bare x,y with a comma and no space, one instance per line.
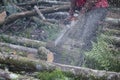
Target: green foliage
55,75
58,75
102,57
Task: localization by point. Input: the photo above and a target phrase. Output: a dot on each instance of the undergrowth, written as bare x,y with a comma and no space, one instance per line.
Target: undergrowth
59,75
55,75
102,57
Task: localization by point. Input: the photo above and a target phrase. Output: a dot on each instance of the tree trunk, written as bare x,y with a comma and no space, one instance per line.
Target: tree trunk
113,20
22,41
41,53
42,3
24,63
20,48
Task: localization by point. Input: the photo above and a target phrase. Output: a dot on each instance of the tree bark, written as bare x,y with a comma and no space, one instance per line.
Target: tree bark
46,22
41,53
12,76
112,20
19,50
16,16
24,63
43,2
39,13
45,54
22,41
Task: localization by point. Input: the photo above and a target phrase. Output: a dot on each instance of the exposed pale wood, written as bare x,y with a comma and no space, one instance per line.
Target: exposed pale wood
2,17
45,54
42,2
39,13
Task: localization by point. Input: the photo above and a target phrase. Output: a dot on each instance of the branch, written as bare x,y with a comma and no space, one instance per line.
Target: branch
42,2
39,13
112,20
12,76
22,41
16,16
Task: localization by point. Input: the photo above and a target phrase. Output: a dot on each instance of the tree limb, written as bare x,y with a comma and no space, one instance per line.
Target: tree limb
12,76
22,41
42,2
16,16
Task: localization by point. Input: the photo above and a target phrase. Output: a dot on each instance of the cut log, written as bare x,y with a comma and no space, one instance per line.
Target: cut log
2,17
20,48
22,41
37,65
45,54
12,76
42,2
16,16
29,43
38,21
42,53
112,20
24,51
39,13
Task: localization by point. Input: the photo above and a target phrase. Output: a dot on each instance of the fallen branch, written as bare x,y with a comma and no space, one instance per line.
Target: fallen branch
42,2
16,16
39,13
16,48
22,41
39,21
29,43
12,76
37,65
112,20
